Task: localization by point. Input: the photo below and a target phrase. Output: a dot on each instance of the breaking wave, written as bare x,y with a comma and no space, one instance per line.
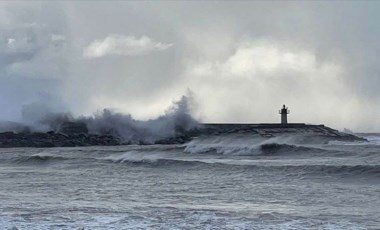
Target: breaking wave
176,158
136,158
250,145
132,158
175,120
274,148
40,158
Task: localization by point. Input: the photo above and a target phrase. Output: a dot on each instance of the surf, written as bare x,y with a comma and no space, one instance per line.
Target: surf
254,144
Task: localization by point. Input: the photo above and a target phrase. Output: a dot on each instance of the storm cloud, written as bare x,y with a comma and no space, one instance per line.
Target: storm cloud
241,60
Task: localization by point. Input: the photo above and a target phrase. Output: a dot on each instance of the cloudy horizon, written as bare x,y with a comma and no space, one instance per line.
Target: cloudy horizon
241,61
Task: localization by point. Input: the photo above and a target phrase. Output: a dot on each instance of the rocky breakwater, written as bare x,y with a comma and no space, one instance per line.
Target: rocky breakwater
70,134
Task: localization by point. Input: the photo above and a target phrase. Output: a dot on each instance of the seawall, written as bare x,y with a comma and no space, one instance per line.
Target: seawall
74,134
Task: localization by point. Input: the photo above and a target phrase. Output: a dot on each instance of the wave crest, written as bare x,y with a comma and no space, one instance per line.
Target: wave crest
161,159
135,157
249,145
40,158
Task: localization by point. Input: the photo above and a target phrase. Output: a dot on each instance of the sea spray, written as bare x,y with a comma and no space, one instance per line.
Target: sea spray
176,120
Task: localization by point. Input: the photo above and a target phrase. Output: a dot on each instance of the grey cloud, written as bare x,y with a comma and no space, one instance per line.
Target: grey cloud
32,63
317,56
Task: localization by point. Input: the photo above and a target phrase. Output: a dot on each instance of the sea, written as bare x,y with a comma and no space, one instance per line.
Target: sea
220,182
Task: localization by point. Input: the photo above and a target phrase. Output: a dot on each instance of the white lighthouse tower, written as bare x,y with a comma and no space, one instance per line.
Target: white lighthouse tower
284,114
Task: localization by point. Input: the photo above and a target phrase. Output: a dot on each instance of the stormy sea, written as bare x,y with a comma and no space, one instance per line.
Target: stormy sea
220,182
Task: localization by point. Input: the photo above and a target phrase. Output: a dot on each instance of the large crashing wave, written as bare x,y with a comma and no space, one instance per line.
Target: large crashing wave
176,120
107,122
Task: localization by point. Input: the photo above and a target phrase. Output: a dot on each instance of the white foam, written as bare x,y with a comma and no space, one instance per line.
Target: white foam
135,157
372,140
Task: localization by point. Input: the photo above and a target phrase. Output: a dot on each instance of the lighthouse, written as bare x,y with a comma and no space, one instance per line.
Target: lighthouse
284,114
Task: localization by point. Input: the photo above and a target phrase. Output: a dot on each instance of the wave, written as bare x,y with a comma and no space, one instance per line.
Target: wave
373,139
176,159
40,158
175,121
274,148
343,170
251,145
134,158
370,139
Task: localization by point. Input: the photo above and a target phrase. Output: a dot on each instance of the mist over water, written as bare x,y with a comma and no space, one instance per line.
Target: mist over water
176,118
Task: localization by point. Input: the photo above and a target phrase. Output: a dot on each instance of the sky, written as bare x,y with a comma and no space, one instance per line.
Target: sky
239,61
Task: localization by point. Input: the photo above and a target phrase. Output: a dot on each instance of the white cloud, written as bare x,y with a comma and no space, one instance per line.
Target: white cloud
259,76
262,57
258,59
115,44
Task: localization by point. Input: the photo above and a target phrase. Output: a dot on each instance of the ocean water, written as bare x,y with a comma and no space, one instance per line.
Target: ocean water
224,182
